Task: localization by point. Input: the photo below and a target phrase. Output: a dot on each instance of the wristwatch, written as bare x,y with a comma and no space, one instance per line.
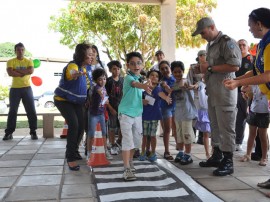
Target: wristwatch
209,69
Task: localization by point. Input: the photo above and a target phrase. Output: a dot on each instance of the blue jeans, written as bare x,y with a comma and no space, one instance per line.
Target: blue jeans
74,116
92,122
15,96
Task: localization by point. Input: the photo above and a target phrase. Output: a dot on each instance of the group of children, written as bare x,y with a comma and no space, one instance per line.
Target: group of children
136,106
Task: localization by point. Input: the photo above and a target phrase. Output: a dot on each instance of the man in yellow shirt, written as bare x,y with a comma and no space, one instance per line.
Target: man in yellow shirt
20,69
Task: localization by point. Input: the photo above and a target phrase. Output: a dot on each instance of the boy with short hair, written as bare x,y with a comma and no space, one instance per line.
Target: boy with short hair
185,113
151,115
114,87
130,112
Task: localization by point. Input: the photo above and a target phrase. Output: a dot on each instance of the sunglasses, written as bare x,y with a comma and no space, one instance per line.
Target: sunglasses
202,55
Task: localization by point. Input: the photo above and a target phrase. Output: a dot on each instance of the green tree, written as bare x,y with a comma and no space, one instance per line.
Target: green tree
7,50
122,28
4,92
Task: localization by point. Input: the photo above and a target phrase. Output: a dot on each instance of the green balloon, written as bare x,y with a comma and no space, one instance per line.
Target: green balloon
36,63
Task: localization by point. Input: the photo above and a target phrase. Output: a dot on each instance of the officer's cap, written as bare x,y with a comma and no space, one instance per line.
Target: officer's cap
203,23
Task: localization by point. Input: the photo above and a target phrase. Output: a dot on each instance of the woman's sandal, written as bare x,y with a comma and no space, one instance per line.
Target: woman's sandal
245,158
263,162
168,156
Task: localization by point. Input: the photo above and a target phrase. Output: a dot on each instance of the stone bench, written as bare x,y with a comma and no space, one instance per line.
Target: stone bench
48,122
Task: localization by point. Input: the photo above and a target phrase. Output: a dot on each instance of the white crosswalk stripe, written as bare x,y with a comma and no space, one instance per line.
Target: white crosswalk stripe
115,176
135,184
121,168
144,194
160,181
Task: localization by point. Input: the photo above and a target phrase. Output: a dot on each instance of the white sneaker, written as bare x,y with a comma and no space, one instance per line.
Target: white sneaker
238,147
119,146
108,155
114,151
129,175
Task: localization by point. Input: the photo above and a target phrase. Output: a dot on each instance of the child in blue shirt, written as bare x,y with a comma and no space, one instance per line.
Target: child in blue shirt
167,110
152,114
98,99
130,112
185,112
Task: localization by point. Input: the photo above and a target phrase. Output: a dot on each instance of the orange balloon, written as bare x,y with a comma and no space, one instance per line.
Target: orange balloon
36,80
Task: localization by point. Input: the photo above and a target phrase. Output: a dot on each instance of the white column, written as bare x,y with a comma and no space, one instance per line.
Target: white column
168,34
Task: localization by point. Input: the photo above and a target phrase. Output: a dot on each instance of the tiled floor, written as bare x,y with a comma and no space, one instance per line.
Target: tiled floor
238,187
37,171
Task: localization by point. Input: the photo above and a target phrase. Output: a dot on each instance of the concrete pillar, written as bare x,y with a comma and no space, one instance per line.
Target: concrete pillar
168,33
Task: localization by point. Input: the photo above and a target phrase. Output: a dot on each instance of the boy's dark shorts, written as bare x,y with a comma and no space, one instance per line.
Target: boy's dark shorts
113,122
260,120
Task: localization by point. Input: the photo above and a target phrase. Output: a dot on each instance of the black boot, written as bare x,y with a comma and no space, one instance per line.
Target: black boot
226,165
214,160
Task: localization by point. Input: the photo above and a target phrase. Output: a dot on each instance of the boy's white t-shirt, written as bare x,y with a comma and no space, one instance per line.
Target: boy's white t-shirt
259,102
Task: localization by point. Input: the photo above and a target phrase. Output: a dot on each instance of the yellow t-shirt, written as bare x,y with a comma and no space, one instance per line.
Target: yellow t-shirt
266,58
70,68
20,82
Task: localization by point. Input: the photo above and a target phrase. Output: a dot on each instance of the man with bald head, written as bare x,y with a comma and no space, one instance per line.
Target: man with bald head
223,60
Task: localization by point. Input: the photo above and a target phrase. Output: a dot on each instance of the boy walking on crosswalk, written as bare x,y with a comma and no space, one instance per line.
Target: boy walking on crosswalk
130,112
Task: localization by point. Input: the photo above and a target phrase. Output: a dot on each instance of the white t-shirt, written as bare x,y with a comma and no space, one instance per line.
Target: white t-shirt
259,102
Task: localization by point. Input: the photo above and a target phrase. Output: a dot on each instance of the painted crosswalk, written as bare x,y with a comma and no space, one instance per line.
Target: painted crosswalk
160,181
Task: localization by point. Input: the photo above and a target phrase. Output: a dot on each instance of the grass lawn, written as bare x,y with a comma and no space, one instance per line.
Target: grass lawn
22,122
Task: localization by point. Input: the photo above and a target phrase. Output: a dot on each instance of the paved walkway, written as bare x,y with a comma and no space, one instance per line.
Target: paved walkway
37,171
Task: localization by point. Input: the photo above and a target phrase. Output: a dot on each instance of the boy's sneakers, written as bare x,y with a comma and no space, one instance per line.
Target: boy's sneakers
114,150
179,156
152,157
108,155
186,159
142,157
148,153
129,175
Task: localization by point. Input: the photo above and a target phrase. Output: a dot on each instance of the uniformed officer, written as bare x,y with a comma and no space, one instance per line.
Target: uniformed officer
223,60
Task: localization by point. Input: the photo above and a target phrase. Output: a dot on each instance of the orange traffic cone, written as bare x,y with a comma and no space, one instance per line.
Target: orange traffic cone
98,157
64,131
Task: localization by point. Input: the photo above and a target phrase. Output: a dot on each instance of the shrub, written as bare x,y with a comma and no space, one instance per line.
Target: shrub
4,92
